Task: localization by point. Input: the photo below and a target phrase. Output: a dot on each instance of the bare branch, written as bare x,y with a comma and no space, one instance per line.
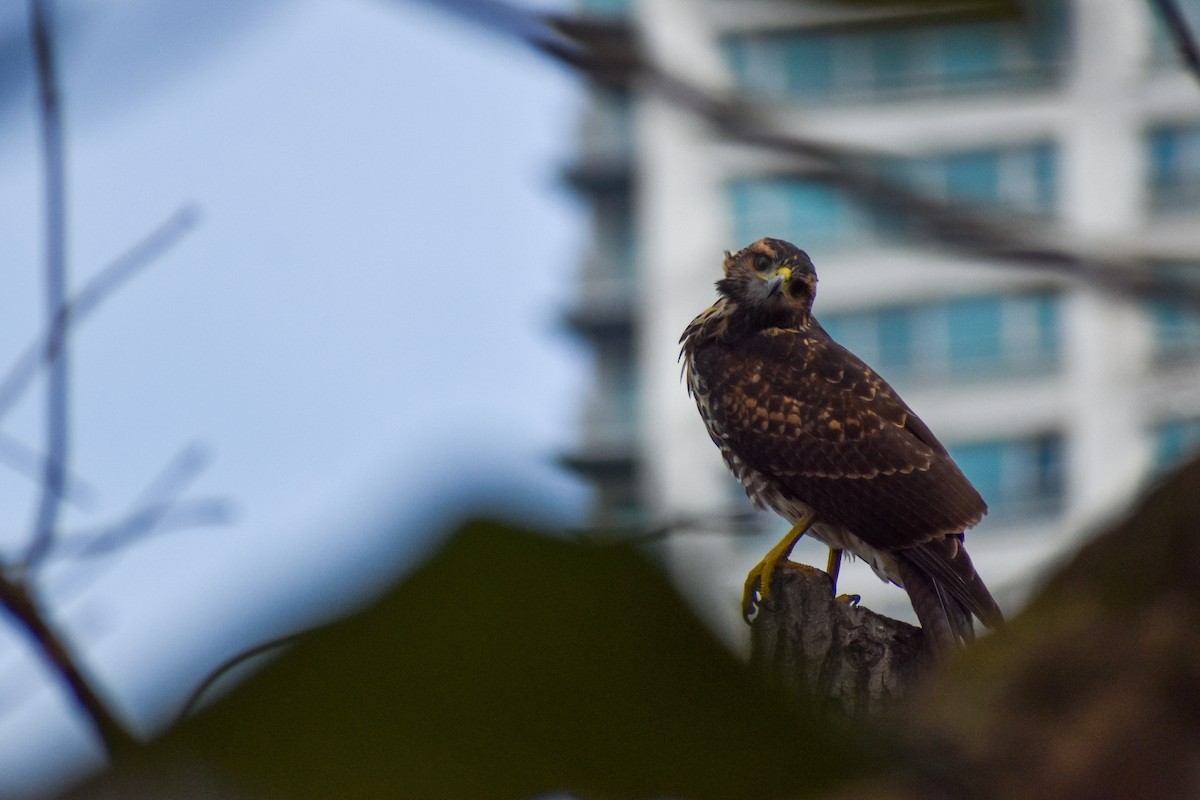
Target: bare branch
142,522
106,282
26,461
605,51
18,602
158,508
225,666
1177,26
54,179
747,523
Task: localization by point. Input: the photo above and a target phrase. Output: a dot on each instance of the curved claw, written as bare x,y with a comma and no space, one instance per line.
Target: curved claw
755,590
758,581
749,590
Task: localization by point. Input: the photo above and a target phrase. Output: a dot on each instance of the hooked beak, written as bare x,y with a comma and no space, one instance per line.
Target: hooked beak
778,281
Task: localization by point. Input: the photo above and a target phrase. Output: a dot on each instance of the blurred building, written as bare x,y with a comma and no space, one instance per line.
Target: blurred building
1061,401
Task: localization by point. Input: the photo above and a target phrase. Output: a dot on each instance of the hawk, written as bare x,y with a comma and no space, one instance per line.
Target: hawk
818,437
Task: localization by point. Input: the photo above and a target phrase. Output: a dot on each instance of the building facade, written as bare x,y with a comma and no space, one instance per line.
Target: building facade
1074,123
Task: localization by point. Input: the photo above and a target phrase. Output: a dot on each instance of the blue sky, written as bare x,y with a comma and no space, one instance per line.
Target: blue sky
362,331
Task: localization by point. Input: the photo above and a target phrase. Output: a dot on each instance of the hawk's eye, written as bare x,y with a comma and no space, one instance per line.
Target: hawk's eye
762,263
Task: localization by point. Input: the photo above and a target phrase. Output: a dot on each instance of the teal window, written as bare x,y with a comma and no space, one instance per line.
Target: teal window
1015,179
1174,441
795,209
808,65
973,176
1017,477
1173,161
975,331
625,395
879,63
893,59
967,338
606,7
896,346
971,53
1020,179
1175,321
1176,330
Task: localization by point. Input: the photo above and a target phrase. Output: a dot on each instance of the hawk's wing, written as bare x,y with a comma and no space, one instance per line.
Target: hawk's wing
816,420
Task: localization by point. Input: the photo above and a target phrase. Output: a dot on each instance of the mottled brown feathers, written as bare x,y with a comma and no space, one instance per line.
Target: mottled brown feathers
795,405
800,418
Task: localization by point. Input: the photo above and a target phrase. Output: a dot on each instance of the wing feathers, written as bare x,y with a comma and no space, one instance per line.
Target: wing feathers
801,409
798,411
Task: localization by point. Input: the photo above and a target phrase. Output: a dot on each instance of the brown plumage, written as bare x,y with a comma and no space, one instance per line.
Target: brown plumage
807,426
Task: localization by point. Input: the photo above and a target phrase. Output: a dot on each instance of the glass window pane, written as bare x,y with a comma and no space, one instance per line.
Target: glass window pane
1048,325
817,213
907,59
1015,476
808,65
758,207
1176,329
1019,179
1047,468
1047,24
973,176
1170,444
971,52
614,7
1163,157
973,326
1045,176
891,58
983,465
1175,440
1174,166
1176,323
895,338
794,209
970,337
858,332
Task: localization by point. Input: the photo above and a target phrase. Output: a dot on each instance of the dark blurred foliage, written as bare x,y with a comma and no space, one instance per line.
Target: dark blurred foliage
513,665
510,665
1092,691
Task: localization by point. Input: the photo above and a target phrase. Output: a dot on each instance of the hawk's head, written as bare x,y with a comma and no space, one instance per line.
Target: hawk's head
770,277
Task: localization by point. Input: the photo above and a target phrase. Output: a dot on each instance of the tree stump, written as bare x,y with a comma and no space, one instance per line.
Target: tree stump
850,660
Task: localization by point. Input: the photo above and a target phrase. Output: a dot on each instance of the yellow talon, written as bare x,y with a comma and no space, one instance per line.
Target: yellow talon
759,578
834,566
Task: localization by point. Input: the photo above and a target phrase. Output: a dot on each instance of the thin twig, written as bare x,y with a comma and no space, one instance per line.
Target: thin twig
155,518
15,594
24,460
157,506
56,353
194,698
597,49
1177,26
18,602
748,523
108,280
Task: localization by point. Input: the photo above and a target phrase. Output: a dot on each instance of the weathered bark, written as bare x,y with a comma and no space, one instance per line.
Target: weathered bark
847,658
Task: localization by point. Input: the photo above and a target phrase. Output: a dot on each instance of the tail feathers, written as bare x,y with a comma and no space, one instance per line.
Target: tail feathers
946,592
946,561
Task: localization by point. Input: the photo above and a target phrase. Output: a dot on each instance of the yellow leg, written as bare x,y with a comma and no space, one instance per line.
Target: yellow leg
760,577
834,566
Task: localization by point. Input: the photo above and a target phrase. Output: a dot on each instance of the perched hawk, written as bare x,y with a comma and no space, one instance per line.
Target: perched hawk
817,436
